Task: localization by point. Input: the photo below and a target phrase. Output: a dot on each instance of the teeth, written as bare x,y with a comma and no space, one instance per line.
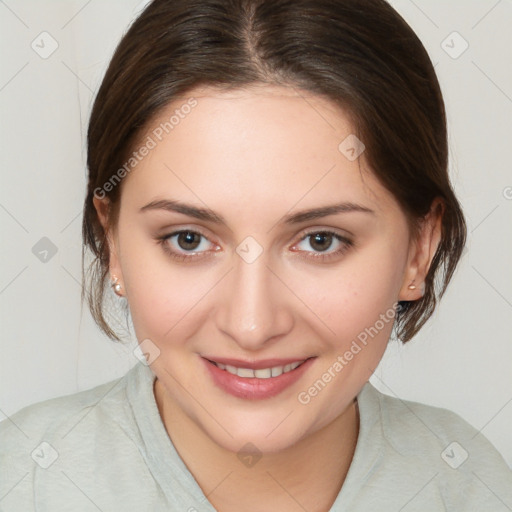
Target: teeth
263,373
231,369
276,371
245,372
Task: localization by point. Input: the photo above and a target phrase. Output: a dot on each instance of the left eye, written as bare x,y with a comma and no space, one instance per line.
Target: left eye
322,241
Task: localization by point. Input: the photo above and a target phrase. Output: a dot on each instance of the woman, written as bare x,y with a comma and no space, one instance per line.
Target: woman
268,191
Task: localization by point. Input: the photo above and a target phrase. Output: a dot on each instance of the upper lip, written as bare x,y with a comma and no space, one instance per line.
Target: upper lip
256,365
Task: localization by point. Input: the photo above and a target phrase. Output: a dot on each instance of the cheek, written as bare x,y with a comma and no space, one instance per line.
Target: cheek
362,289
166,300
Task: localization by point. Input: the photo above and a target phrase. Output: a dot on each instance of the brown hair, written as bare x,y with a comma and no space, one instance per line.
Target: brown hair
359,54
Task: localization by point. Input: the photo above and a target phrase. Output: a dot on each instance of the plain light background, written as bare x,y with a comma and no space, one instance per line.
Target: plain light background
461,360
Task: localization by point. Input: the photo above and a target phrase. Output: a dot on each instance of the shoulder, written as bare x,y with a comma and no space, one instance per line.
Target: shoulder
64,453
57,414
455,460
33,438
411,426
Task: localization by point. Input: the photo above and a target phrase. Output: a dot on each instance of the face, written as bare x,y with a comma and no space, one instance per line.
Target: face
261,262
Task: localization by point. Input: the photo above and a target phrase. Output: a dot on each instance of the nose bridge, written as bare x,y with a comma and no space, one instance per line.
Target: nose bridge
253,308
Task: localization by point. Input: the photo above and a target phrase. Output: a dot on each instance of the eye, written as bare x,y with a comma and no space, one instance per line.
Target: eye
325,245
185,244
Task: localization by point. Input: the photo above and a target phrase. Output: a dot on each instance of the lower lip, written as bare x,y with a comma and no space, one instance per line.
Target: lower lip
254,388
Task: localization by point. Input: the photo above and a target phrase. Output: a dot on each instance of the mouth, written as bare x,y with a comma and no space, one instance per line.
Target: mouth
256,380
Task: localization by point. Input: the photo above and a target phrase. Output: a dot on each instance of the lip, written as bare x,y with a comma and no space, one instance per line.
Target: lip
255,388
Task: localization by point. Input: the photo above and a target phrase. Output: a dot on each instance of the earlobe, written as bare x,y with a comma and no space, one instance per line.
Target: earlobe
422,251
102,207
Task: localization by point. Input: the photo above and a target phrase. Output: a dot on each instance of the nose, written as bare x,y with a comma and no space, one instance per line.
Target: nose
252,309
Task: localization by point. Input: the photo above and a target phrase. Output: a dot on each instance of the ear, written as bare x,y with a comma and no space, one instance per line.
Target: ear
103,209
422,249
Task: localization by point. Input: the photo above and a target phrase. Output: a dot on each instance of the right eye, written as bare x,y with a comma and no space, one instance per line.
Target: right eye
185,244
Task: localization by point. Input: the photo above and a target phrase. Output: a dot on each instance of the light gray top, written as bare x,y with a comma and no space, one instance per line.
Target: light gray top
107,449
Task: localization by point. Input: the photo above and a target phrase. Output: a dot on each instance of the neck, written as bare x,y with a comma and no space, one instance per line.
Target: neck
307,475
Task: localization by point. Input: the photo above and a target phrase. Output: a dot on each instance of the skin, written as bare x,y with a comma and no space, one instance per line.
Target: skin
254,156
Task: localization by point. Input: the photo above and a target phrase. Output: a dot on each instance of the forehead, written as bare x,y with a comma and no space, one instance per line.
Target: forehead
266,145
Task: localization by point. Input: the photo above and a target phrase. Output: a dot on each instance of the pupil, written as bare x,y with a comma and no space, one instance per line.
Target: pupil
320,239
188,240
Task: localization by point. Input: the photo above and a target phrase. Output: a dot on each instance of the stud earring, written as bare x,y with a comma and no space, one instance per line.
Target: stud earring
412,287
116,286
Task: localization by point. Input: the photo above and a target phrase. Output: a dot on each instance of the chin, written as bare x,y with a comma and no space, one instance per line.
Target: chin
263,431
258,441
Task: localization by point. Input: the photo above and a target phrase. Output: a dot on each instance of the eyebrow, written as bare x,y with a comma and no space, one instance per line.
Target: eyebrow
206,214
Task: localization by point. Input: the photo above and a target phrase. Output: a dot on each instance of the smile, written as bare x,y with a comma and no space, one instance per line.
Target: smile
256,380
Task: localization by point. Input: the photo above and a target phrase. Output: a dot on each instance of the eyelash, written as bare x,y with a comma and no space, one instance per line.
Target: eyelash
346,245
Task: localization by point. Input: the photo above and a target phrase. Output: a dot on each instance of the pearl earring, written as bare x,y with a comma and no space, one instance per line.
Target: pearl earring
412,287
116,286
